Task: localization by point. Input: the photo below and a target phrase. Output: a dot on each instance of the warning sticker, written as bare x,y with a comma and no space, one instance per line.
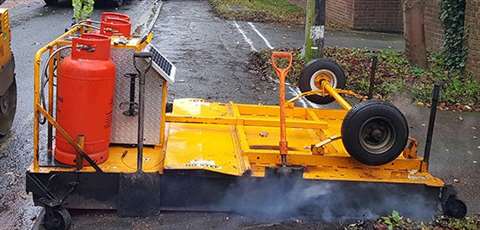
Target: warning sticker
202,164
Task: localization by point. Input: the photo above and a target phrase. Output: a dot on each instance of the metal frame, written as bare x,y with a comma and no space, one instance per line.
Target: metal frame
160,186
65,39
319,164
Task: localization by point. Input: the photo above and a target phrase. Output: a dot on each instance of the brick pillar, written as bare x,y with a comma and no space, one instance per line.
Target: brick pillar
414,32
472,22
433,25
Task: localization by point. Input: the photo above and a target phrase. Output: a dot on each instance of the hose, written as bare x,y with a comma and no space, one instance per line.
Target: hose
44,80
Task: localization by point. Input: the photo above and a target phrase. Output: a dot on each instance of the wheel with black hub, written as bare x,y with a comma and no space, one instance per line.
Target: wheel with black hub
455,208
374,132
451,205
317,71
57,219
8,107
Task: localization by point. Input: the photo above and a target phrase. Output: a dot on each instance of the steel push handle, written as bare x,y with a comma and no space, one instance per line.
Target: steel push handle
282,74
147,56
141,103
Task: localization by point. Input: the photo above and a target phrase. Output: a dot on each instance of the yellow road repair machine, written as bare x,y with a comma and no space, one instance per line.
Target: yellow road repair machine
8,86
118,145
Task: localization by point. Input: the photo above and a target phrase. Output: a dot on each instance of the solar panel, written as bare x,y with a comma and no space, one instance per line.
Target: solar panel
161,64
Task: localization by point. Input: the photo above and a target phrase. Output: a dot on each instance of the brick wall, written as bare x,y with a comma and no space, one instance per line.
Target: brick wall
472,21
378,15
340,12
433,25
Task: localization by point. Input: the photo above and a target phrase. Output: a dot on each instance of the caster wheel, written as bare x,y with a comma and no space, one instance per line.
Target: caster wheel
317,71
57,219
451,205
374,132
455,208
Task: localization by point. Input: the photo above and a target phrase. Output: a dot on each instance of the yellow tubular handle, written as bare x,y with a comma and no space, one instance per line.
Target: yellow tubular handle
340,100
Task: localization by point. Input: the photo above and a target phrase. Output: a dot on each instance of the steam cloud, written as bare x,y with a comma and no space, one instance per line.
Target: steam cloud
275,198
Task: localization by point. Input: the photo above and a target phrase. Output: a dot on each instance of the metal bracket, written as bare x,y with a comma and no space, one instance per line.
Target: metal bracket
70,141
319,149
290,103
132,105
48,199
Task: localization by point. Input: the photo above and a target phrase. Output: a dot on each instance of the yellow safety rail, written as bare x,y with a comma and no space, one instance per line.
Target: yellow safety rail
63,40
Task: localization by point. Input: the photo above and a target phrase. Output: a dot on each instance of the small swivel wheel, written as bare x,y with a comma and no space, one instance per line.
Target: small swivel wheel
57,218
455,208
374,132
317,71
451,205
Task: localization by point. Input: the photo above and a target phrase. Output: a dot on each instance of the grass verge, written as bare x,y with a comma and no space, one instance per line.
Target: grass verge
397,222
394,75
279,11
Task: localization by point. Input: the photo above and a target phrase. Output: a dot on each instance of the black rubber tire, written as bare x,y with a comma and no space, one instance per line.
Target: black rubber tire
57,219
455,208
51,2
366,121
6,117
313,67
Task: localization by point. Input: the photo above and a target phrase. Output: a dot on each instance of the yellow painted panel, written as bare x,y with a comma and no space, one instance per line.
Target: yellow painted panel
232,148
263,137
199,146
121,159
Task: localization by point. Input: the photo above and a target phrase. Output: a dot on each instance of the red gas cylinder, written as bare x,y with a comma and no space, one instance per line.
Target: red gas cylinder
116,27
85,90
116,15
112,23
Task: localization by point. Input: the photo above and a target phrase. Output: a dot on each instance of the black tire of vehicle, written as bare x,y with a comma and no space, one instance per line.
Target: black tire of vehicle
51,2
7,116
324,67
374,132
57,218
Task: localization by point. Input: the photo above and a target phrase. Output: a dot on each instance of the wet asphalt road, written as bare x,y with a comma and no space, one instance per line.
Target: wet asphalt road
210,54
